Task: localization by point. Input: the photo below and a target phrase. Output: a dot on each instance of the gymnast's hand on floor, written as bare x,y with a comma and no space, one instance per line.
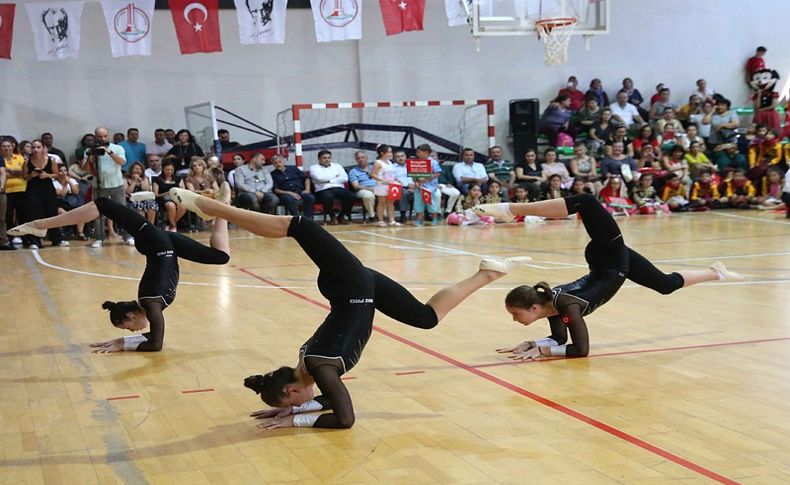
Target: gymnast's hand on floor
522,347
272,413
283,422
531,354
114,345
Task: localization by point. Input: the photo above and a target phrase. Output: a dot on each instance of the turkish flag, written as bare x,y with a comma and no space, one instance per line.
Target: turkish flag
427,196
394,191
6,29
402,15
197,25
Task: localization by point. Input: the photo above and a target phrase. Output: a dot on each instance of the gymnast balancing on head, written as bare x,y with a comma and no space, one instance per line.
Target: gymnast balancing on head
611,262
157,288
355,293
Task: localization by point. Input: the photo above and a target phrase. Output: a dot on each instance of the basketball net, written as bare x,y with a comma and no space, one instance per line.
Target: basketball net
556,35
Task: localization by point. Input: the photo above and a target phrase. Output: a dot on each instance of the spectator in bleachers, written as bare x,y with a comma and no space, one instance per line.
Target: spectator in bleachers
502,171
635,97
647,138
40,198
554,188
551,165
669,117
583,167
431,184
693,107
471,199
698,161
254,186
493,195
108,160
645,196
224,139
703,90
702,120
664,102
771,189
669,138
183,151
134,150
161,187
25,149
692,136
447,188
85,143
154,163
570,90
657,95
740,191
576,189
755,63
614,197
626,113
589,115
362,184
529,174
383,173
745,139
675,163
201,182
596,90
329,180
212,162
675,194
555,119
764,154
786,193
600,132
705,194
727,158
47,139
292,187
613,164
724,124
648,161
14,184
118,138
402,176
67,190
520,195
468,171
136,181
170,136
160,146
238,161
620,134
7,152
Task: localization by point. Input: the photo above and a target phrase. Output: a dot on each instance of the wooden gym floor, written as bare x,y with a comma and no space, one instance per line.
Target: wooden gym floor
689,387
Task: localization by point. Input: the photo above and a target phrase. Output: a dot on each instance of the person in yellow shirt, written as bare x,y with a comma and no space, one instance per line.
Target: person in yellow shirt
12,190
705,194
675,194
740,191
698,161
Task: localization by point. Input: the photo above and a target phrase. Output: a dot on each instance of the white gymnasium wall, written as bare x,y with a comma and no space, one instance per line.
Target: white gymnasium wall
670,41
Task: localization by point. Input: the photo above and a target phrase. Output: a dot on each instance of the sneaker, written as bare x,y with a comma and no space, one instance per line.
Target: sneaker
394,223
418,222
25,229
16,240
725,274
142,195
97,244
500,212
505,265
188,199
61,244
33,246
130,241
436,221
381,224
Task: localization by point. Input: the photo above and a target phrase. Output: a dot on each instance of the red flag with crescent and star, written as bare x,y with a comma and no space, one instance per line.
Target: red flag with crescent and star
6,29
402,15
394,191
197,25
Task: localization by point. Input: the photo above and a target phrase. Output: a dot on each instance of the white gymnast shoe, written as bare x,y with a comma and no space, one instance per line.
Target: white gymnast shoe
725,274
188,199
505,265
27,229
500,212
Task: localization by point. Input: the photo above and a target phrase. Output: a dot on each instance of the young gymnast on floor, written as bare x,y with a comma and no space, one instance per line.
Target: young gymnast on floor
355,293
157,288
611,262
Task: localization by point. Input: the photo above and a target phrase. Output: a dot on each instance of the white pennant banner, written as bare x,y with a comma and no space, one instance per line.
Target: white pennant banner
337,19
56,29
261,21
129,24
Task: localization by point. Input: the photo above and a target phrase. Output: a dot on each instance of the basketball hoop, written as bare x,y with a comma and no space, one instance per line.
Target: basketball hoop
556,35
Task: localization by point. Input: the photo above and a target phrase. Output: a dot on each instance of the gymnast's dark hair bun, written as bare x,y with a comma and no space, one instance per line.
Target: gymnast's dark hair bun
108,305
119,310
255,383
525,296
271,386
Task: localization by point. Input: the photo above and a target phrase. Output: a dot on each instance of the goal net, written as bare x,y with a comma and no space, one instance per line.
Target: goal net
344,128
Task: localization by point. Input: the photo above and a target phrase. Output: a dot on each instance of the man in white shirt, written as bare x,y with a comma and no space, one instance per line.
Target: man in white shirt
626,113
329,180
468,171
160,146
154,163
703,90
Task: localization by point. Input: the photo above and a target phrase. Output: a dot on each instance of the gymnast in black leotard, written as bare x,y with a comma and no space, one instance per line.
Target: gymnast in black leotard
157,288
611,262
355,293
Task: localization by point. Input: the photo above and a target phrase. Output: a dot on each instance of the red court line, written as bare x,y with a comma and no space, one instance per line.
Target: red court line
535,397
643,351
116,398
409,373
192,391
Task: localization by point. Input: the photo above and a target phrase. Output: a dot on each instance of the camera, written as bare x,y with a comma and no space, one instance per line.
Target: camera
97,149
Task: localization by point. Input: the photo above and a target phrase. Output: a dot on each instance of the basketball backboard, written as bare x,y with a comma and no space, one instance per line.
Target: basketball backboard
517,17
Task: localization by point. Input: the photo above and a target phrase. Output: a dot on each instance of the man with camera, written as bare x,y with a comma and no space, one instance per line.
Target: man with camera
107,159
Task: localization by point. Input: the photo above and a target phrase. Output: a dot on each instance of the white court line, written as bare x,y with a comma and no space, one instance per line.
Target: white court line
392,246
737,256
758,219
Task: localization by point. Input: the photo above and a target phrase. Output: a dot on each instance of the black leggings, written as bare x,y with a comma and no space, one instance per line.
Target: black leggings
342,276
149,240
607,249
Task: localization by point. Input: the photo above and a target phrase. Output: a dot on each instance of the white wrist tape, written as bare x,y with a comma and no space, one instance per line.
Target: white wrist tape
558,350
130,342
546,342
307,407
305,420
